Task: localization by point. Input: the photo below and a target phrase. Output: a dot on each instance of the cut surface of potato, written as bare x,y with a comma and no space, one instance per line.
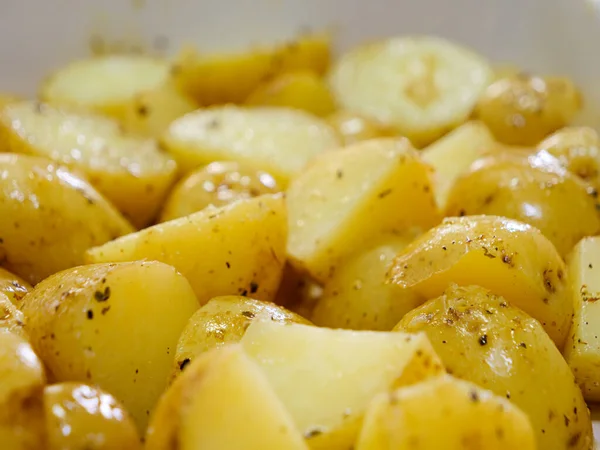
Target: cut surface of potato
134,174
463,415
113,325
347,198
510,258
421,85
82,416
353,127
195,413
482,338
236,249
49,216
13,286
330,376
280,141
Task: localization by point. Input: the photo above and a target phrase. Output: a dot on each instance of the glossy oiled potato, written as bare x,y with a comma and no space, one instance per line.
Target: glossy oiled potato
224,320
236,249
13,287
113,325
218,184
535,190
481,338
353,127
463,415
49,216
79,416
523,109
510,258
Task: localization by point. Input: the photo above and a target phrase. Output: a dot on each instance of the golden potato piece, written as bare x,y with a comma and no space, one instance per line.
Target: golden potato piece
462,414
236,249
79,416
353,127
112,325
217,184
13,287
222,401
523,109
346,199
49,216
280,141
510,258
134,174
330,376
224,320
483,339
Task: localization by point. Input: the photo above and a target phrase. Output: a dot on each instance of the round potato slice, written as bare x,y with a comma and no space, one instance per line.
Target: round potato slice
13,287
79,416
280,141
49,216
113,325
131,172
420,85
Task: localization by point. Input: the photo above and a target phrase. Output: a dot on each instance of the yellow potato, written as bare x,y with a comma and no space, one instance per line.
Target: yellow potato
13,287
463,415
7,99
79,416
483,339
236,249
330,376
49,216
346,199
134,174
11,319
523,109
510,258
537,191
229,78
299,90
224,320
112,325
222,401
278,140
218,184
353,127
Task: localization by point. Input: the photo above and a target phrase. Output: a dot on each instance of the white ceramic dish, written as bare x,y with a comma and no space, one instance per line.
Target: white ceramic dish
557,36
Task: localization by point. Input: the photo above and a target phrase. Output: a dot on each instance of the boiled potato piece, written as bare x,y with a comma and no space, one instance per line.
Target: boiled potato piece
222,401
300,90
79,416
13,287
546,196
582,350
112,325
218,184
224,320
357,297
6,99
483,339
346,198
523,109
330,376
510,258
22,382
11,318
134,174
280,141
423,86
353,127
136,90
453,154
49,216
229,78
236,249
463,415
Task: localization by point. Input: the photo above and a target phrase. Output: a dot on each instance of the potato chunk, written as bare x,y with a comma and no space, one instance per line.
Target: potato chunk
346,199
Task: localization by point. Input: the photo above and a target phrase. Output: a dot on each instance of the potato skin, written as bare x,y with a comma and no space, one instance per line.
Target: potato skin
11,319
483,339
13,286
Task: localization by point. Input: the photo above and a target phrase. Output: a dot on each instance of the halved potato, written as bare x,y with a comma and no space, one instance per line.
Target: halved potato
136,90
347,199
325,377
463,415
49,216
134,174
280,141
13,286
353,127
236,249
112,325
510,258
